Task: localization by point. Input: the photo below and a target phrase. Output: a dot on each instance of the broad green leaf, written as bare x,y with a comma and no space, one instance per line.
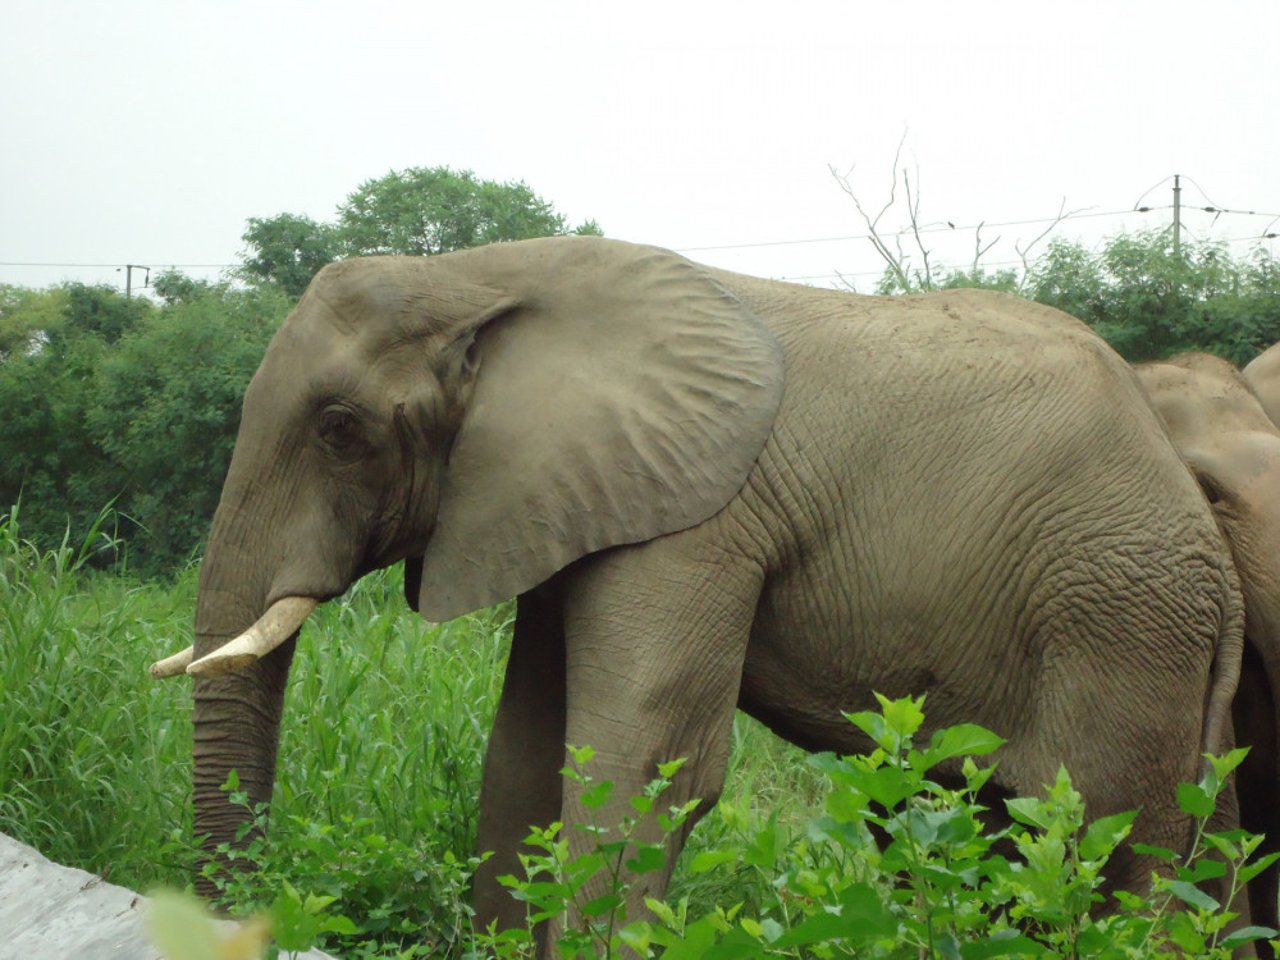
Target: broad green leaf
1105,834
1224,765
637,936
671,767
648,859
597,795
602,905
1002,943
861,906
339,924
962,740
1249,871
817,928
736,944
875,727
1248,935
1160,853
1205,868
1224,845
581,755
1029,810
662,910
1191,894
1194,800
710,859
887,786
904,715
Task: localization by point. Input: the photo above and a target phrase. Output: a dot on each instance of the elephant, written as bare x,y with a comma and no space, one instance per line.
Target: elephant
1262,374
1233,448
708,491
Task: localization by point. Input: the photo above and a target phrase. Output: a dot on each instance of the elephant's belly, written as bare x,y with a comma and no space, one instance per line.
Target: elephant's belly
813,657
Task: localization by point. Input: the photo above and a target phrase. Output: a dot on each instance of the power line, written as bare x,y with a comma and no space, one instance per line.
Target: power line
946,227
907,231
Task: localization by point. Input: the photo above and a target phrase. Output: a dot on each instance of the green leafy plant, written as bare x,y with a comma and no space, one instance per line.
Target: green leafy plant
583,896
902,866
312,878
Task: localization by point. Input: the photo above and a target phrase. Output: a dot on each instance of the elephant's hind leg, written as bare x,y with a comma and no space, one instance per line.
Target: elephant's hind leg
522,783
1126,722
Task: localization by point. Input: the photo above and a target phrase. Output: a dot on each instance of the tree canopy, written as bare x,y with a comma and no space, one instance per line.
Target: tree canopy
136,403
418,211
124,402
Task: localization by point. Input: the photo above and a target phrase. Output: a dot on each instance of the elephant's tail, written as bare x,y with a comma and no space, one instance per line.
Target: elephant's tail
1218,734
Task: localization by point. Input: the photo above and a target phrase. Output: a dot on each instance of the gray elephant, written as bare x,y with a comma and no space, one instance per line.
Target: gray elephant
710,491
1262,374
1233,448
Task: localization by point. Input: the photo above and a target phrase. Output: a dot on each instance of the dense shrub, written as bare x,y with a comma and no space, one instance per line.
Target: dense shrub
126,402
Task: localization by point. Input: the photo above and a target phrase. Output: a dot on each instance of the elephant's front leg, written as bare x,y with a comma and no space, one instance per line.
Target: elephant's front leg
521,782
655,640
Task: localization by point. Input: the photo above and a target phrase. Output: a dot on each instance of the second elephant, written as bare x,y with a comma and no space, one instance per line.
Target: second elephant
1233,448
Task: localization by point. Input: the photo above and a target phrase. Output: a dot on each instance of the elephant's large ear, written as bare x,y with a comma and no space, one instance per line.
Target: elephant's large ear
626,396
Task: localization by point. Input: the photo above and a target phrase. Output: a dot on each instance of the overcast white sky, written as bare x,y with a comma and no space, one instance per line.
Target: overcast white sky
148,132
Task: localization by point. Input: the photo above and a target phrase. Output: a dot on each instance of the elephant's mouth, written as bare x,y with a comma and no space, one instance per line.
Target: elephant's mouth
282,619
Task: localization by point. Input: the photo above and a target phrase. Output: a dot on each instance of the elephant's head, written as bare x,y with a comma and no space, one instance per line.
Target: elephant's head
488,416
1233,448
1223,433
1262,373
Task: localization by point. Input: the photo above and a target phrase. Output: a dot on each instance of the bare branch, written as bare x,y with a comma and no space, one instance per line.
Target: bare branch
894,262
913,213
1024,252
979,251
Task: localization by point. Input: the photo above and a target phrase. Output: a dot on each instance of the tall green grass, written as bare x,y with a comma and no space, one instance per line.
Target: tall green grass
386,719
90,748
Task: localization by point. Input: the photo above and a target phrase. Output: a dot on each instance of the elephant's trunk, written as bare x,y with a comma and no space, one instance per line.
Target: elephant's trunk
237,715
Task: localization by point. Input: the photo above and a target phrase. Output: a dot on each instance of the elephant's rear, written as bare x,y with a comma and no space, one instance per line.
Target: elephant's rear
1015,536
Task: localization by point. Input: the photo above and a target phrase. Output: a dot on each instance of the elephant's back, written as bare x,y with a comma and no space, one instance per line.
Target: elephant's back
991,390
1262,373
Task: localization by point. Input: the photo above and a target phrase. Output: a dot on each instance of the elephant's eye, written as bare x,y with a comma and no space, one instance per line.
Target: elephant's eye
338,427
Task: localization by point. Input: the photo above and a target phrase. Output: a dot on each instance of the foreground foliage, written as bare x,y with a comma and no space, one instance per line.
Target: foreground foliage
372,832
381,745
900,866
897,867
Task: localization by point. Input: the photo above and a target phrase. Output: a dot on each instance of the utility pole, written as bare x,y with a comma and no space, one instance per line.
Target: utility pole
1177,215
130,267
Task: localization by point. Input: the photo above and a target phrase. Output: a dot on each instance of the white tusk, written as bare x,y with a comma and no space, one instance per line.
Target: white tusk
272,629
172,666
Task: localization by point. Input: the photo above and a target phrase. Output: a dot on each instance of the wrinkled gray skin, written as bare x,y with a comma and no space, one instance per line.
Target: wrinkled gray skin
710,491
1223,432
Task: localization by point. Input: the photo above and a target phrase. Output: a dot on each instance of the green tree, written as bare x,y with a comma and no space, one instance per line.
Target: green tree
173,286
144,421
1149,301
47,455
28,318
165,414
102,310
1069,277
287,250
428,210
416,212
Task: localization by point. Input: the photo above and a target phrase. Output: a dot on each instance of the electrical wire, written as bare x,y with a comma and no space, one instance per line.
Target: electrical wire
932,228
